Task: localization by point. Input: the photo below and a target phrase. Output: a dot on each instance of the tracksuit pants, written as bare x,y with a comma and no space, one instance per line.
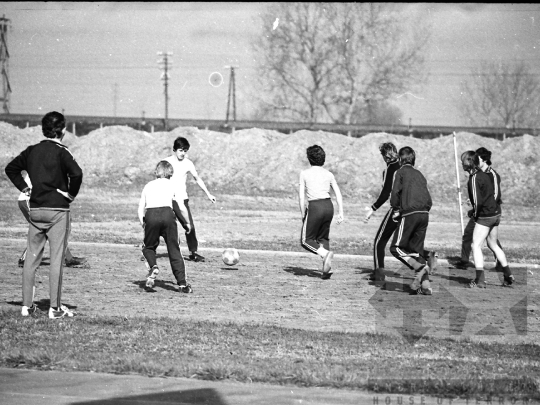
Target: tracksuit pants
383,235
316,225
409,237
191,238
162,222
54,226
25,209
466,241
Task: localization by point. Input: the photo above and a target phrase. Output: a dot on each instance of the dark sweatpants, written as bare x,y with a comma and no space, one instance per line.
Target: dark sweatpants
191,238
383,235
409,238
316,226
162,222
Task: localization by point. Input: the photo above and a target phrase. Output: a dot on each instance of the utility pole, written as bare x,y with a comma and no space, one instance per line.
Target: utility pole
232,94
4,63
165,64
115,98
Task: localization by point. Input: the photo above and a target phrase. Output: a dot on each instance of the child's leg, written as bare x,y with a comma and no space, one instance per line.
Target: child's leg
480,234
383,235
400,243
326,215
170,234
152,229
316,226
191,238
466,241
36,243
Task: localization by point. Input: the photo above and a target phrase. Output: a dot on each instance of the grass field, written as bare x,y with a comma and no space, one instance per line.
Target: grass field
271,318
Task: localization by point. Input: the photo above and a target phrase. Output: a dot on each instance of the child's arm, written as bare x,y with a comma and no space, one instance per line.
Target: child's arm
301,195
182,214
142,205
339,199
201,184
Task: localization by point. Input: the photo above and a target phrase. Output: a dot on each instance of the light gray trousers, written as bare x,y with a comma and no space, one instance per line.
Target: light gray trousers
53,226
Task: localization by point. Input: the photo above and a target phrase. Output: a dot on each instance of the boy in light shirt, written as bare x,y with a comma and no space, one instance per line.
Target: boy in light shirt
316,182
157,211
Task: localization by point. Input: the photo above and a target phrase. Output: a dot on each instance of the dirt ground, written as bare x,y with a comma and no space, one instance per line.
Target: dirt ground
285,289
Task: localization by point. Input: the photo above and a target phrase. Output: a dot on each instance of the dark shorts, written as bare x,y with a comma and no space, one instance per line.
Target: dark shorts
489,222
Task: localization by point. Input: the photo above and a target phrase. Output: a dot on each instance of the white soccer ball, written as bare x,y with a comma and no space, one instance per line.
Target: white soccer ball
230,256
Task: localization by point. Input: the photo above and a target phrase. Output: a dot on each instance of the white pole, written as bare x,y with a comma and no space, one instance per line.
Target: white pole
458,185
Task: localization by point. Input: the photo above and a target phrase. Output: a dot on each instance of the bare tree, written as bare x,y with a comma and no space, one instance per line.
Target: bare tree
500,94
328,62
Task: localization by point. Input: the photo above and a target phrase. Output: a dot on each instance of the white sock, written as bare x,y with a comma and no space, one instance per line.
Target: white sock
321,251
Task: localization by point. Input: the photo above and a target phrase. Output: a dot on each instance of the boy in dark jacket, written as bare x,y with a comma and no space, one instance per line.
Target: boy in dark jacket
411,202
56,179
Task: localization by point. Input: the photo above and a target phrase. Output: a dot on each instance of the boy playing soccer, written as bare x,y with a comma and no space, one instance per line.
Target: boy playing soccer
182,166
411,202
157,210
56,179
316,182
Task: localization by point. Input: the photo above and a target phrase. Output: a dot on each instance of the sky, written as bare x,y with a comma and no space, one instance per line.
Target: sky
101,58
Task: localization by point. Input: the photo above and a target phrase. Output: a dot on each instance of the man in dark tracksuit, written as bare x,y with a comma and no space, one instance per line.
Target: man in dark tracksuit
56,179
387,227
411,203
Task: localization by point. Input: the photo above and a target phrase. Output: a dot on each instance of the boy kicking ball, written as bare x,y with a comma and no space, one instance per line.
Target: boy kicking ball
316,182
157,211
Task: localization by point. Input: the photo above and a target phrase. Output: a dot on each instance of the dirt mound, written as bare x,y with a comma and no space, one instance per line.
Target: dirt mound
257,161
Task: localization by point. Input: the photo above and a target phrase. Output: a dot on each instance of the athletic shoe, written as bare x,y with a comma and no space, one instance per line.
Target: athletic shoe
62,312
477,284
27,311
21,262
327,262
462,265
195,257
76,261
327,275
152,274
433,261
424,291
185,289
415,285
508,280
377,275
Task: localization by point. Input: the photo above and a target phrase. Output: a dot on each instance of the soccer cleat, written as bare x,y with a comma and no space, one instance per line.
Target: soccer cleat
477,284
76,261
21,262
327,262
433,261
195,257
418,277
377,275
424,291
27,311
508,280
327,275
185,289
151,278
62,312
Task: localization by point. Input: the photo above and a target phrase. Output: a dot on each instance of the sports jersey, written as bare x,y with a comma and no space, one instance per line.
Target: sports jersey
317,182
388,180
179,177
410,193
482,195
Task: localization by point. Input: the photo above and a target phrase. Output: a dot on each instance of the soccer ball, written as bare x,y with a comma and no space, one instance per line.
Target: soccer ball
230,256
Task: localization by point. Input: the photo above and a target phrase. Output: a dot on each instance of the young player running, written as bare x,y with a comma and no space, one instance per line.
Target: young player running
486,214
157,210
315,183
182,165
411,203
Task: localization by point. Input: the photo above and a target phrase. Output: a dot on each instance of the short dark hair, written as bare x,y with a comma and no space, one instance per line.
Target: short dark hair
316,155
388,150
52,124
468,160
484,154
181,143
164,170
407,156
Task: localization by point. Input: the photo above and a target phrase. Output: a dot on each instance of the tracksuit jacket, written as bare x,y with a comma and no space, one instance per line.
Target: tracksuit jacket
482,195
41,162
410,194
388,179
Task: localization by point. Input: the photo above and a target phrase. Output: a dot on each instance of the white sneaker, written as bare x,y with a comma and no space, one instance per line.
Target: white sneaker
61,313
27,311
152,274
